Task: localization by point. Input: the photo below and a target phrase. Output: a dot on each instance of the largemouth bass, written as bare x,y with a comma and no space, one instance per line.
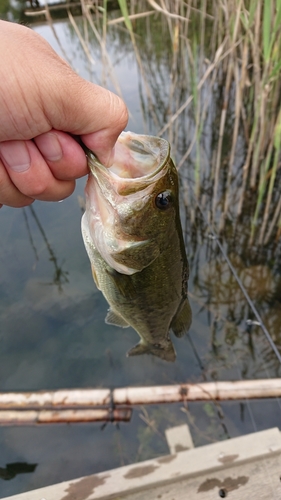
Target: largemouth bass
132,233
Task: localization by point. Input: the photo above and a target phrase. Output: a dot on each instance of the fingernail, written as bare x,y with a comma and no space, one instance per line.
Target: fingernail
15,155
49,146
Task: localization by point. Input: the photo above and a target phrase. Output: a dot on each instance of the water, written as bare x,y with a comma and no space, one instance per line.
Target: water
52,330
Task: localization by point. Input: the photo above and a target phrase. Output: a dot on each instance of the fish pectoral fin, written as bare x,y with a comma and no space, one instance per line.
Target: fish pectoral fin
138,255
113,318
166,353
123,283
182,320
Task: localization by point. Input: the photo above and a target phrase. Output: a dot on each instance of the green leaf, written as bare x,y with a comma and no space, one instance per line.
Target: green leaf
278,16
275,70
244,20
125,14
252,11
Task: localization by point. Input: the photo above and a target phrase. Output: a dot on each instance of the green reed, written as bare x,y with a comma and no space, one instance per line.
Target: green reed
225,62
250,33
125,14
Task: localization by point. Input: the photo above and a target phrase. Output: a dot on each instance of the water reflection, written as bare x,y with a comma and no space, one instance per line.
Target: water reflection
13,469
60,276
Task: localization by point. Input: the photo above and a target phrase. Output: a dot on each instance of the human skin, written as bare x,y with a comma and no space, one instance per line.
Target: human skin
44,107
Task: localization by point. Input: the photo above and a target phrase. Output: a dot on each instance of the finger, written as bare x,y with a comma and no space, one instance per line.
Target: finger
102,145
111,122
9,194
63,154
30,173
99,116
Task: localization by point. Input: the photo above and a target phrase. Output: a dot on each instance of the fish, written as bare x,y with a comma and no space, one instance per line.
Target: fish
133,236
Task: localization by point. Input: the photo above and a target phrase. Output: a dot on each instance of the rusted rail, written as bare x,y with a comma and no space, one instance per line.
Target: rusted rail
91,398
35,417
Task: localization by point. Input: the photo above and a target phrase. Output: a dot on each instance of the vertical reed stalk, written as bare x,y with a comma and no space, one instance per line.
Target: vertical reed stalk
221,134
276,159
124,10
105,56
83,42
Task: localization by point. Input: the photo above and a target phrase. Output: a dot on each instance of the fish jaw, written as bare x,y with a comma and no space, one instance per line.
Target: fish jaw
164,350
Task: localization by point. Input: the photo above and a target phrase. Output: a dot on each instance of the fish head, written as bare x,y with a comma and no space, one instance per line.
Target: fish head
132,206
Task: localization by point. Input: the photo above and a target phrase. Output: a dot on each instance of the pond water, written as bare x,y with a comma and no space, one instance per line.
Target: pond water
52,328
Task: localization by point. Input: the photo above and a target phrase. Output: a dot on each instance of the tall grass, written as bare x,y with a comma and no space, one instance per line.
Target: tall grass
221,83
248,34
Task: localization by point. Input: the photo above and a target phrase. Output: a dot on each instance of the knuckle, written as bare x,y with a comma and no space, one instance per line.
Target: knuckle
36,190
57,192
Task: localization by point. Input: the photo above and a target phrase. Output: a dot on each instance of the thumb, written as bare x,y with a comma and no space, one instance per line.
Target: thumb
95,114
110,116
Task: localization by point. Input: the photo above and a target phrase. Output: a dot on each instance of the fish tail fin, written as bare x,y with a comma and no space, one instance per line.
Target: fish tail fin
165,352
182,320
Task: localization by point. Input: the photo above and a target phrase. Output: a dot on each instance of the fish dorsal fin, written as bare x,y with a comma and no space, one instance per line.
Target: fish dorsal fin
182,320
113,318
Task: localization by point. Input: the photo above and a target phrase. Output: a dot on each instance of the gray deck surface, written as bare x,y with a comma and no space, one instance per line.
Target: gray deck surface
247,467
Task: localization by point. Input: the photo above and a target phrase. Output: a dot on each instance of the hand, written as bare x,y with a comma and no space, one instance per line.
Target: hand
43,104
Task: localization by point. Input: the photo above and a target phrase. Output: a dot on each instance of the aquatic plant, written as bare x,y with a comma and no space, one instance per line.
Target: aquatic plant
233,47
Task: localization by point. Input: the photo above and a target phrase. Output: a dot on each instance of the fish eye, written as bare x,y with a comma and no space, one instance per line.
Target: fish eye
164,200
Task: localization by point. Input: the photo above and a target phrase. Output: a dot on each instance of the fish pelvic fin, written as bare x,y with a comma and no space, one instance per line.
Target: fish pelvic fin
113,318
165,352
182,320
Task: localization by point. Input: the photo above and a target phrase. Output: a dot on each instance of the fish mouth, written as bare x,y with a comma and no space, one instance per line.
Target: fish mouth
138,161
138,157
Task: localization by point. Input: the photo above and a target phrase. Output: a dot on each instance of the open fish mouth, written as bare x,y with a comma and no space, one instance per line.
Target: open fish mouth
135,160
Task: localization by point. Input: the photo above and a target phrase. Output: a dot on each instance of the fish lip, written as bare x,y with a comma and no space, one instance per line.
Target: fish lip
143,181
